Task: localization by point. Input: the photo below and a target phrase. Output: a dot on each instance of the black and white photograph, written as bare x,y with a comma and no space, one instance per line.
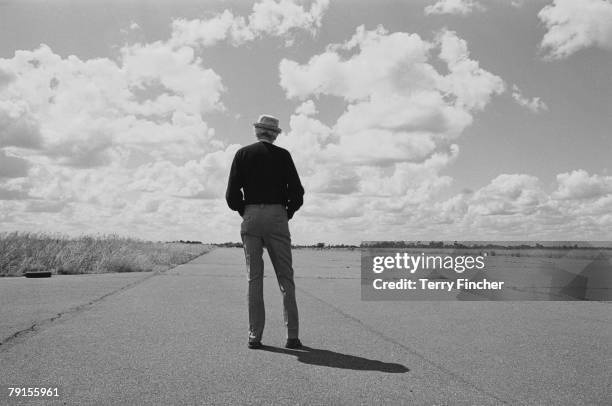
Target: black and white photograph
306,202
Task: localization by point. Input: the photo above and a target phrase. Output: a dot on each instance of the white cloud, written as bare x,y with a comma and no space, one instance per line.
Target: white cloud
134,26
578,184
203,178
336,180
105,145
400,109
468,82
383,62
124,145
86,113
18,127
536,105
459,7
12,166
208,32
307,108
507,194
382,157
5,78
279,18
516,206
573,25
377,170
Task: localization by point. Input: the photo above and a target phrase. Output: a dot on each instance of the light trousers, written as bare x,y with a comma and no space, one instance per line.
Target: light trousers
267,225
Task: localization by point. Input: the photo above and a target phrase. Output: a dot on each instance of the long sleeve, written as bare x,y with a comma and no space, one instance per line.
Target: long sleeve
295,191
233,194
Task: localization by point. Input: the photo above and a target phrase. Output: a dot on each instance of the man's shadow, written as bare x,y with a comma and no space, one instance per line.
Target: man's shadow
315,356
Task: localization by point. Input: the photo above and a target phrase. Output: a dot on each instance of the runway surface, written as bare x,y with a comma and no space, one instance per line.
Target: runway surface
179,337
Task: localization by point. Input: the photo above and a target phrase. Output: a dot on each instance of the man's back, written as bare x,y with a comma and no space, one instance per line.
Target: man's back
264,187
266,174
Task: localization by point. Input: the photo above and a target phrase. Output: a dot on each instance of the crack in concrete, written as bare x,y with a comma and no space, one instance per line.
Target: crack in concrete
23,334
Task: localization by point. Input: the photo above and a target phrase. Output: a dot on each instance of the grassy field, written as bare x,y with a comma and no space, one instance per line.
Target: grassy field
20,252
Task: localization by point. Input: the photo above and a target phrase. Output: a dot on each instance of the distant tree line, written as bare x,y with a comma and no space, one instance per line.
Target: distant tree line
416,244
319,245
228,244
458,245
322,245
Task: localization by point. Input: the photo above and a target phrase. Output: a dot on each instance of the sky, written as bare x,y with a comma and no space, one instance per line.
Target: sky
407,120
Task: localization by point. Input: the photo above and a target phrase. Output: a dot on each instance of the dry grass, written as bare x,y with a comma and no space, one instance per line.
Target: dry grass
20,252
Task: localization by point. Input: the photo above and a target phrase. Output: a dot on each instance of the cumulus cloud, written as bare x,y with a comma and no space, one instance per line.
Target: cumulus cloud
378,168
123,140
471,85
204,178
124,144
535,104
280,18
507,194
18,127
578,185
573,25
308,108
12,167
5,78
517,206
87,113
370,70
401,118
149,103
459,7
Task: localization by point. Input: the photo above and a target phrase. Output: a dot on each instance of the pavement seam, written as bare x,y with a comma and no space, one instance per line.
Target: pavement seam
412,351
21,335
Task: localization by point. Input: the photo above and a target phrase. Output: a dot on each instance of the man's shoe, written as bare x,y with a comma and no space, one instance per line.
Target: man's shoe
254,345
293,343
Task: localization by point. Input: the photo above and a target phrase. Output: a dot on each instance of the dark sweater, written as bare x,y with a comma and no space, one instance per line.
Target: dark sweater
266,174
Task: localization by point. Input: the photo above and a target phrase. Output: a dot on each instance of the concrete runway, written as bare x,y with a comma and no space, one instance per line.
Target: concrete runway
179,337
28,304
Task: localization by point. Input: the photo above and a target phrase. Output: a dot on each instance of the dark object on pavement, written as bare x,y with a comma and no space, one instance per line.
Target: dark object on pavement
37,274
293,343
254,345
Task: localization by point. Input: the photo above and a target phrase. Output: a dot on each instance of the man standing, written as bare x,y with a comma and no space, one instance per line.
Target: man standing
264,187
